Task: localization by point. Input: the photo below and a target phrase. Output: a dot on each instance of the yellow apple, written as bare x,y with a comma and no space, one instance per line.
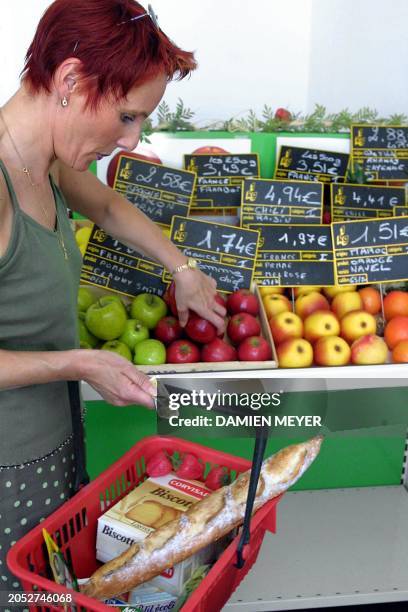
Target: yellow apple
356,324
286,325
332,291
270,290
346,302
320,323
295,353
310,302
331,351
276,303
303,289
369,350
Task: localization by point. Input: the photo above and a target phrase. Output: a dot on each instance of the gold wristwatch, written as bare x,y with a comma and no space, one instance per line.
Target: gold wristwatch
191,264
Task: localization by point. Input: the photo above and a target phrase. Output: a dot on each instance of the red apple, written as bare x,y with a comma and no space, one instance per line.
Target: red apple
241,326
209,150
170,298
168,329
182,351
242,300
147,155
218,350
283,114
254,348
199,329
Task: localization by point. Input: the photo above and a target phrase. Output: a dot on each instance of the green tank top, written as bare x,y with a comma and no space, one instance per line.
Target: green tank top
38,312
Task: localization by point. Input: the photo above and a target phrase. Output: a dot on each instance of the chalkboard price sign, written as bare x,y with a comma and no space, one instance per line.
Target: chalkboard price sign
371,251
110,264
351,201
224,252
219,182
291,255
275,201
159,191
311,165
400,211
381,150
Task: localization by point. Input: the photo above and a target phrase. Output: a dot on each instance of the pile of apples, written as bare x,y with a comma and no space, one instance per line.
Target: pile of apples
145,332
336,326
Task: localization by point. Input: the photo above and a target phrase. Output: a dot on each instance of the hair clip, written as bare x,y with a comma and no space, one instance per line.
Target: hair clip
149,13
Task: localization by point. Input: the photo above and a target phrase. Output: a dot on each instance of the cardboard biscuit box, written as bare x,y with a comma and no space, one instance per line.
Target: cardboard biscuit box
151,505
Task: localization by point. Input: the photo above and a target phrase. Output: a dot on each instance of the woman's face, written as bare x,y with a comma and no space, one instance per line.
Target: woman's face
82,136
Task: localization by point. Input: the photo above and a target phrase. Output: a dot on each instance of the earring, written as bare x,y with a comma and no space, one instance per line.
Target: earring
64,102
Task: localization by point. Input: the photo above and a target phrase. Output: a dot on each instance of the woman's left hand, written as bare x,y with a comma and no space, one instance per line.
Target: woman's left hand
196,291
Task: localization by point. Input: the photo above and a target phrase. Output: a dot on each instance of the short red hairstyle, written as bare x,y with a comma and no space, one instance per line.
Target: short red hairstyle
117,53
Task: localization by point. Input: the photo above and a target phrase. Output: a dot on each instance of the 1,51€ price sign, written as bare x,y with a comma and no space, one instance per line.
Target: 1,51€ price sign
109,263
278,201
219,178
224,252
159,191
371,251
290,255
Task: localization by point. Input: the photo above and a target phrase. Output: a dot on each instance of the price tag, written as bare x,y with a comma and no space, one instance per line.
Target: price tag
219,178
311,165
381,150
290,255
274,201
224,252
351,201
400,211
371,251
159,191
109,263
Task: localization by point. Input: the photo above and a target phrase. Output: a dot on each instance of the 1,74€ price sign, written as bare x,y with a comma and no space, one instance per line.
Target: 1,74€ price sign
371,251
291,255
224,252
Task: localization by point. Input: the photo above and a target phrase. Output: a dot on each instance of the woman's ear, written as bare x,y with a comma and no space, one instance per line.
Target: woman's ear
67,77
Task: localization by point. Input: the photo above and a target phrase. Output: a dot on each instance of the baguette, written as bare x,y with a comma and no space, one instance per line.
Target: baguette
206,521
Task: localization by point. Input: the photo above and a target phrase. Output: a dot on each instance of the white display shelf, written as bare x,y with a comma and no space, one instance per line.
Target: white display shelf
333,547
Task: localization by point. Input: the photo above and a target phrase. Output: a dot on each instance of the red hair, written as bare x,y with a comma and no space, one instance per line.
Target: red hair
115,56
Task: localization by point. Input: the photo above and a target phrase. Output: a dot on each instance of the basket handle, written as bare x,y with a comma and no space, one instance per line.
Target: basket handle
81,475
259,451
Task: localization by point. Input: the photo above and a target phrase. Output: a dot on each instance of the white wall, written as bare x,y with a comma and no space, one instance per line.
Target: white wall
340,53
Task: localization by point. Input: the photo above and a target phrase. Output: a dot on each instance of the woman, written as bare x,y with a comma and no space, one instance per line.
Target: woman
94,71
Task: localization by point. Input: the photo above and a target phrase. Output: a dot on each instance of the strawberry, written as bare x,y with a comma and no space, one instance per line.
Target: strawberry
189,467
217,477
159,464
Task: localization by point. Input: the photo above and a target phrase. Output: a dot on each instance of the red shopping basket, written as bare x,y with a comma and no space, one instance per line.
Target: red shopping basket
73,526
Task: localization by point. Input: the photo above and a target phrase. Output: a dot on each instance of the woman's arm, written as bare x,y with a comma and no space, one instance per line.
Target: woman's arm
117,380
125,222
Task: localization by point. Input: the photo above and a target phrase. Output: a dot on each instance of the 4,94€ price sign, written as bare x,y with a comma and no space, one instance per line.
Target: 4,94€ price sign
291,255
371,251
224,252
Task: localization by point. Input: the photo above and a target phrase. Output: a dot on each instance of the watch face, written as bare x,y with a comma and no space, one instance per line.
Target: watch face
192,263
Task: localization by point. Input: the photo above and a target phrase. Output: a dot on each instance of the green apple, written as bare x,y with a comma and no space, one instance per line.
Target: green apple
149,352
134,332
85,299
115,346
85,335
148,308
84,345
106,318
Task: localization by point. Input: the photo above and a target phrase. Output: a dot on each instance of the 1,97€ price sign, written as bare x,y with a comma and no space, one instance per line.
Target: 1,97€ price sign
224,252
371,251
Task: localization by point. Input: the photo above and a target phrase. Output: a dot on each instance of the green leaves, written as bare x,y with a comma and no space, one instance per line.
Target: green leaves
174,121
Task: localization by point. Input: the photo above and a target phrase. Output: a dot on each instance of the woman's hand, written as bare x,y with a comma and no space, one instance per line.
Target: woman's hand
196,291
117,380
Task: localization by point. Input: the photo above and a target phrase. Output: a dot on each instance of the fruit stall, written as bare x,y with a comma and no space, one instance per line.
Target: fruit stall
329,305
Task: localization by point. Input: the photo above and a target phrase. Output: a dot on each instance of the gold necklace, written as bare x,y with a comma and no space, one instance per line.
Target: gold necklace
27,173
